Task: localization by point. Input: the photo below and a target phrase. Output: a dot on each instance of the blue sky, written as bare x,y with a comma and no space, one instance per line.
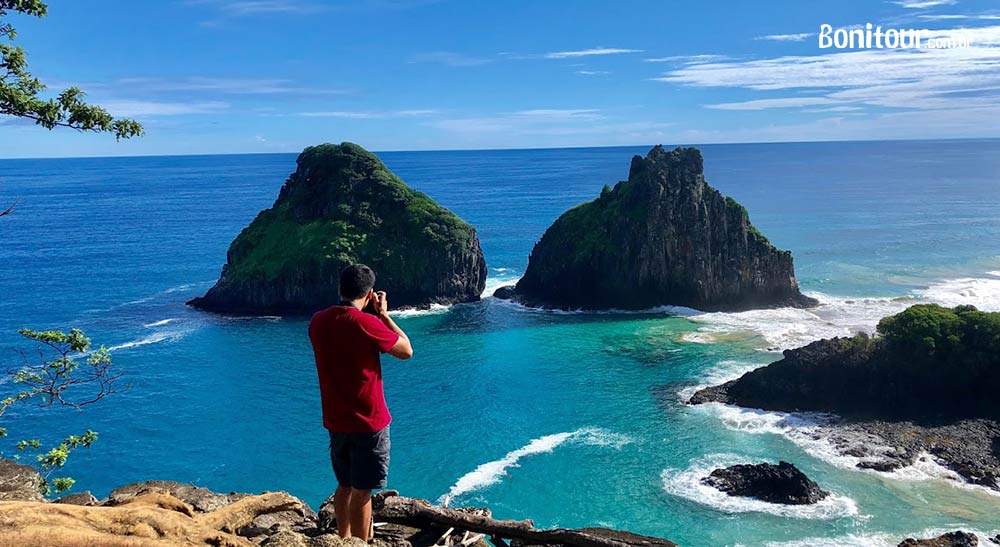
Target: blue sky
231,76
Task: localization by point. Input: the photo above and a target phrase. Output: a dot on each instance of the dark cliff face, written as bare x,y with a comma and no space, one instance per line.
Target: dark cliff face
341,206
663,237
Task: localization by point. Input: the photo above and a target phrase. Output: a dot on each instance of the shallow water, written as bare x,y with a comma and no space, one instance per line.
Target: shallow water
568,419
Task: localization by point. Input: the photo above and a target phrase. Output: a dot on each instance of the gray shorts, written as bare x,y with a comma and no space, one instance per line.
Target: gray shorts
360,460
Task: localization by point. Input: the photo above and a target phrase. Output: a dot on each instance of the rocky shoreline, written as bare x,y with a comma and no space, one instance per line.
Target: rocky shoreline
160,513
926,385
171,514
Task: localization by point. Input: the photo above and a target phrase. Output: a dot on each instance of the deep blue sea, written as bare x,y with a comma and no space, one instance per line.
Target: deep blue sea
568,419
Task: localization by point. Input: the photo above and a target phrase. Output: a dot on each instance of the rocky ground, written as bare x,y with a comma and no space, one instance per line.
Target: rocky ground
171,514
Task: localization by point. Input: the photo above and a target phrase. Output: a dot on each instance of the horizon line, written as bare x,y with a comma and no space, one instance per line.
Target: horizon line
209,154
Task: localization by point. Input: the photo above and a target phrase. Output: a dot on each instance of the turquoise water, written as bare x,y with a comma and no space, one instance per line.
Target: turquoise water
568,419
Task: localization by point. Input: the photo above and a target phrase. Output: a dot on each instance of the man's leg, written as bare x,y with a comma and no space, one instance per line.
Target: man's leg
341,509
361,513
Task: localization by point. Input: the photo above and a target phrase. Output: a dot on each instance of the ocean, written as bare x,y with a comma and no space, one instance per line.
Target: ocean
570,419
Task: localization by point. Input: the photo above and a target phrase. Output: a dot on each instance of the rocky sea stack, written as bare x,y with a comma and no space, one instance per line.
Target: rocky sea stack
341,206
663,237
782,483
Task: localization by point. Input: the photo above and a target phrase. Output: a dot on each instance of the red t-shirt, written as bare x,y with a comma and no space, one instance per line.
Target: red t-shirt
346,342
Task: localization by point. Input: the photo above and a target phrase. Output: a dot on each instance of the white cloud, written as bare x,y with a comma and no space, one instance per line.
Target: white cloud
592,72
235,86
912,79
368,115
589,52
688,59
786,37
923,4
523,121
152,108
763,104
450,58
558,114
241,8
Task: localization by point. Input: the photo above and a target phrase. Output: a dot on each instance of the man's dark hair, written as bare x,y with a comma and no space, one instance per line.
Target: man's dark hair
355,281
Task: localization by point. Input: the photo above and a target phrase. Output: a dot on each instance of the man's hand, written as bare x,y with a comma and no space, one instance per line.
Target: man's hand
381,303
402,349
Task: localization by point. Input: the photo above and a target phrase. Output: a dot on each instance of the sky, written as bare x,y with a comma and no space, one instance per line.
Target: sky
241,76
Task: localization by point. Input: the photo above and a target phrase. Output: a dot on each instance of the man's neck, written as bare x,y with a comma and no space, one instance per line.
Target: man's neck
359,303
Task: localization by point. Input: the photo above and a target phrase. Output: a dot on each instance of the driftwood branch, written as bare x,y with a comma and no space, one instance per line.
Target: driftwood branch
421,513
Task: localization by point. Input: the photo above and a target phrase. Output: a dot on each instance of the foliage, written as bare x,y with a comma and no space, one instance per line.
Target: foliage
20,92
64,372
963,340
342,205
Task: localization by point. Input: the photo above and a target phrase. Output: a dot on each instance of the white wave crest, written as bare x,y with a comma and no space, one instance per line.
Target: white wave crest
813,433
494,283
981,292
491,473
155,338
434,309
687,484
160,323
723,372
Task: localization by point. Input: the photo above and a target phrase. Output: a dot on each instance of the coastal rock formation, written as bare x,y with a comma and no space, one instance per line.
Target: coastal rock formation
929,362
951,539
927,384
341,206
781,483
170,514
19,482
663,237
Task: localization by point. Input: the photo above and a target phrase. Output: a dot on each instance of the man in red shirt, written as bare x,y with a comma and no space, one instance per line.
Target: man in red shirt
347,342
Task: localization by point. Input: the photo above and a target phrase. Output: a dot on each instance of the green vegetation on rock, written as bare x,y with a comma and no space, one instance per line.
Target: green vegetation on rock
661,237
341,206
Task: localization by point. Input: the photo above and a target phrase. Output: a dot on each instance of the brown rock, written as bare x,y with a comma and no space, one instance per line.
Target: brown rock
80,498
19,482
201,499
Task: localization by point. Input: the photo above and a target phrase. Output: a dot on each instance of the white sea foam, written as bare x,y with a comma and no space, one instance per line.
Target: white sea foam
982,292
494,283
491,473
434,309
723,372
161,335
160,323
785,328
812,433
687,484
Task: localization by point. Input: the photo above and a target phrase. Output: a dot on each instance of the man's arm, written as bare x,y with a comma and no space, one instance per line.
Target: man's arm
402,349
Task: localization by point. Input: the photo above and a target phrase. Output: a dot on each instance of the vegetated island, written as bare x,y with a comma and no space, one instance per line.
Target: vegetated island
662,237
927,383
341,206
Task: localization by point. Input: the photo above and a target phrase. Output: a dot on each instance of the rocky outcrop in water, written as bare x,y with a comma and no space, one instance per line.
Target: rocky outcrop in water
341,206
951,539
928,363
782,483
926,384
662,237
